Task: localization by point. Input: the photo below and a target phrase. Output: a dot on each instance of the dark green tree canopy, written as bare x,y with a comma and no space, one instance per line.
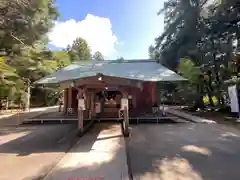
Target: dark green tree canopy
120,59
204,32
191,26
24,49
62,58
23,22
98,56
79,50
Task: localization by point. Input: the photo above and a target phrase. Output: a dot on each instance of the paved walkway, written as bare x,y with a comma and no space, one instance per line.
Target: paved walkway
30,152
196,119
18,117
99,155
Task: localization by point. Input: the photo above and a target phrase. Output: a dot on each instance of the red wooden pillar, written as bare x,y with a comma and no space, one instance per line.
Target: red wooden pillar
69,100
65,106
154,92
74,100
147,95
140,98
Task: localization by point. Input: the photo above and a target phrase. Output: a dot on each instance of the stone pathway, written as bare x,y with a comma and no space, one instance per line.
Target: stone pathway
99,155
196,119
29,152
17,118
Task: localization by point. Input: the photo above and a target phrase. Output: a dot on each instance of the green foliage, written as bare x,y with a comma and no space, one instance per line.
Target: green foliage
23,44
152,52
62,58
23,22
180,19
79,50
98,56
189,70
120,59
7,77
234,71
208,34
5,69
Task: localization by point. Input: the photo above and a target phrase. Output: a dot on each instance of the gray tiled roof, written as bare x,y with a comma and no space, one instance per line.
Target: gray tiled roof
143,70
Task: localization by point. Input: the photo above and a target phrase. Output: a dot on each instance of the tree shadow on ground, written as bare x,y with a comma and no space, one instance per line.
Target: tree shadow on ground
182,152
16,119
39,148
28,139
102,159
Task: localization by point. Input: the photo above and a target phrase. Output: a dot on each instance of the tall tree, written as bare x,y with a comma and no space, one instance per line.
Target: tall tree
213,29
6,73
98,56
120,59
23,22
8,80
196,79
62,58
181,17
23,39
79,50
152,52
23,42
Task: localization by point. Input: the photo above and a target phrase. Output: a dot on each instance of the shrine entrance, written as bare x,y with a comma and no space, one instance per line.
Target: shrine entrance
108,92
134,79
109,102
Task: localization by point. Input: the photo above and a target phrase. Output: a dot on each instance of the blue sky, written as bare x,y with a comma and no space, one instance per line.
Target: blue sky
115,27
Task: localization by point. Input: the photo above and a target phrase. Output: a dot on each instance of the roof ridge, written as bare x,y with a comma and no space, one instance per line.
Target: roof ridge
131,61
116,61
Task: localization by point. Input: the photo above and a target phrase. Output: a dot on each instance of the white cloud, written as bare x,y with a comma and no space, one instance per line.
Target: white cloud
96,30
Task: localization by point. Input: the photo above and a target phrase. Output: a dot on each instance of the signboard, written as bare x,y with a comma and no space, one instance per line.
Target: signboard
124,103
81,104
232,91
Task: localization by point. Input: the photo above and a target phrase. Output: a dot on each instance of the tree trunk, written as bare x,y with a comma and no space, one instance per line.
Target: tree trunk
216,72
209,89
199,101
